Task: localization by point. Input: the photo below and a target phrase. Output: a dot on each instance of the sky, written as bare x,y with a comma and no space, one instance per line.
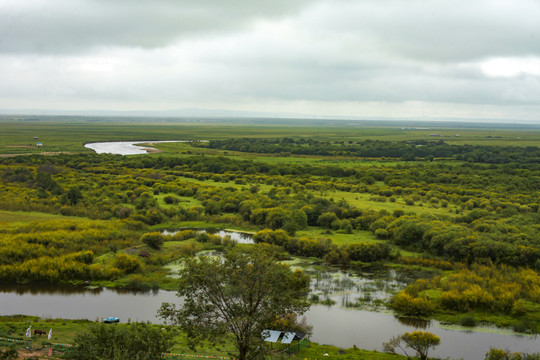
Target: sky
418,59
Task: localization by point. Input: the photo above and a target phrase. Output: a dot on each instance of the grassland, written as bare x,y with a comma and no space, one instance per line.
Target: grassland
16,136
68,134
13,219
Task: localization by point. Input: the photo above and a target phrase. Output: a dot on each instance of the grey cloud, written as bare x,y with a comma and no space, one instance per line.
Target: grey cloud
440,30
82,25
166,51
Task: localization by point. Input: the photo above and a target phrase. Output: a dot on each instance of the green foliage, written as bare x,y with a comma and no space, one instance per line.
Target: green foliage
74,195
9,353
412,306
138,341
323,248
241,295
408,151
153,239
326,219
488,288
127,263
498,354
484,210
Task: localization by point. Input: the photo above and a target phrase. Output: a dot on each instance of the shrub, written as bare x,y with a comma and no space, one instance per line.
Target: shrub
468,321
128,264
154,239
411,306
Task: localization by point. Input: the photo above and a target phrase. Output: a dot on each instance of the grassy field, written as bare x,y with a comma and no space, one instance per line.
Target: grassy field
68,134
13,219
366,201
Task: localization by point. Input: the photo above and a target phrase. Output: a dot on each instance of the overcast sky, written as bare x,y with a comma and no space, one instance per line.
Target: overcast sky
422,59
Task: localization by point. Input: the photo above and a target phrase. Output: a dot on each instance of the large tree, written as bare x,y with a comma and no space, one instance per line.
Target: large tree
240,295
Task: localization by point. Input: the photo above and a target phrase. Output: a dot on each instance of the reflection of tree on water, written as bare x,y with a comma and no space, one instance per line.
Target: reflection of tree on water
417,323
48,289
67,290
365,290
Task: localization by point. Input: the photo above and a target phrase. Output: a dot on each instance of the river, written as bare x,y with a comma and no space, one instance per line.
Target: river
333,325
125,147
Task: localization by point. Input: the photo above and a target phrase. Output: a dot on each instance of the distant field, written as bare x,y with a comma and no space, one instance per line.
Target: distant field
65,135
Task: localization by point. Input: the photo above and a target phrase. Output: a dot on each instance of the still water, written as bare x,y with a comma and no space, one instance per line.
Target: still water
124,147
237,236
334,325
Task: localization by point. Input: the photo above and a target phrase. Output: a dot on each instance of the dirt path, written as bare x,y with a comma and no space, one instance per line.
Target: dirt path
40,354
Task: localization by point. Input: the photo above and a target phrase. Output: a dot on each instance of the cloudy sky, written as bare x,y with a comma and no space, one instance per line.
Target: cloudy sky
421,59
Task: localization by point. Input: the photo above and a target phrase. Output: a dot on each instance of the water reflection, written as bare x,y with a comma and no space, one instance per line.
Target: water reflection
47,290
416,323
237,236
354,290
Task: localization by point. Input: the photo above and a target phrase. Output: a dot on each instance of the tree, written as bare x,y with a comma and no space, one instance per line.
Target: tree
326,219
419,341
137,341
74,195
240,295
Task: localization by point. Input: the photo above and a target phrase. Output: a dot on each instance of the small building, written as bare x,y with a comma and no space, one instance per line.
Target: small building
35,137
39,144
287,337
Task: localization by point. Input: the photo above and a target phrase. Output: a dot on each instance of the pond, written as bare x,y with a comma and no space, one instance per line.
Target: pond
125,147
237,236
336,325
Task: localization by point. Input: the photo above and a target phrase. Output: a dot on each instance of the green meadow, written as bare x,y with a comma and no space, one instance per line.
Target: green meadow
69,133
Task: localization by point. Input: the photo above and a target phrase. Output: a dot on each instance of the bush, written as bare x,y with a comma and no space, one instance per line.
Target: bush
133,341
468,321
154,239
411,306
169,199
128,264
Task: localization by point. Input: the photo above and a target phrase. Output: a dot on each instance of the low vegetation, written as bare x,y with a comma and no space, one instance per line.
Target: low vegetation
466,212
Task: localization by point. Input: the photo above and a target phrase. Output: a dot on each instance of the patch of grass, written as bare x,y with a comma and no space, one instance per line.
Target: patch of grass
14,219
181,201
358,236
365,202
316,351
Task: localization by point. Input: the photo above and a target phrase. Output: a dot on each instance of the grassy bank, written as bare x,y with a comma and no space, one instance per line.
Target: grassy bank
64,332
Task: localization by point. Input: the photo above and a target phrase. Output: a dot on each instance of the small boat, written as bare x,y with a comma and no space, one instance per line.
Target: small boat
111,319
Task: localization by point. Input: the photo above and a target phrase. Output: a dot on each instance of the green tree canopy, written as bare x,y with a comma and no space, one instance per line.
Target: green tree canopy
241,295
136,341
